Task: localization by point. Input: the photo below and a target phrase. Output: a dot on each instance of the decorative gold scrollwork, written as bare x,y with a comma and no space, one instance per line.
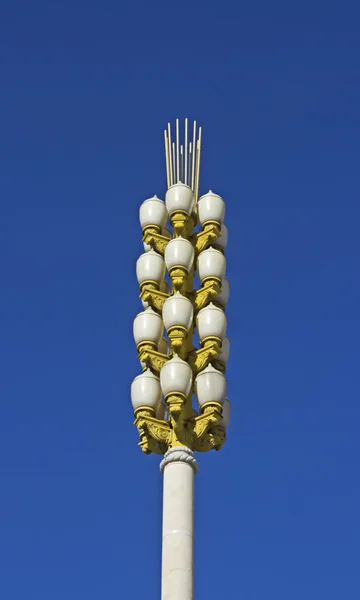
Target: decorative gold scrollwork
199,359
155,298
154,434
156,241
179,220
213,440
178,277
204,238
153,358
205,294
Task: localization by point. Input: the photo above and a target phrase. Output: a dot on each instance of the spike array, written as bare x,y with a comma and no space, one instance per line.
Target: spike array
183,159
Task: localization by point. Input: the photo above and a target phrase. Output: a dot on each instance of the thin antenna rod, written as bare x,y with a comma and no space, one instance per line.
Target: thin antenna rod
182,163
167,159
186,152
193,159
198,151
190,155
177,151
170,157
174,160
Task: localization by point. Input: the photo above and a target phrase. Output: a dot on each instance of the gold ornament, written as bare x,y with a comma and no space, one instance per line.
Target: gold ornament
178,220
210,289
203,239
154,297
153,358
178,275
154,239
177,336
199,359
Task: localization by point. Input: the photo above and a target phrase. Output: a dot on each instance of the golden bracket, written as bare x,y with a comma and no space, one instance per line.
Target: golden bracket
199,359
181,428
155,359
177,336
213,440
155,240
178,277
154,297
211,416
154,433
178,220
210,289
204,238
206,433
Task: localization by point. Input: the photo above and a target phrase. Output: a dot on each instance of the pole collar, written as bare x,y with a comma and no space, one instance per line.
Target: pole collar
179,454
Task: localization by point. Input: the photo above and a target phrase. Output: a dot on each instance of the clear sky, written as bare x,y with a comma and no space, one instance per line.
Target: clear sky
86,90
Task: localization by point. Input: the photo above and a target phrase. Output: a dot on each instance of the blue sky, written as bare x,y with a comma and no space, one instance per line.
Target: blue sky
86,90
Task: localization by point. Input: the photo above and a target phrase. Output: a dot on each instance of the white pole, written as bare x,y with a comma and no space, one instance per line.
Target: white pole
179,467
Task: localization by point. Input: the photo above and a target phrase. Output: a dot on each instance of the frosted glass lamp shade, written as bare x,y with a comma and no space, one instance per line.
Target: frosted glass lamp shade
225,414
150,266
177,311
176,377
146,391
145,304
179,197
211,207
153,212
211,322
147,247
210,386
148,327
225,351
222,241
211,263
223,297
179,252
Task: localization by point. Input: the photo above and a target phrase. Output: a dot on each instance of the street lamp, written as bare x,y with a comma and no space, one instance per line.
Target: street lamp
179,399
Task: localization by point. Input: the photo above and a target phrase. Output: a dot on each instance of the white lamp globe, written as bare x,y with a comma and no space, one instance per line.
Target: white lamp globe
225,351
148,327
211,207
150,266
179,197
211,263
145,304
147,247
210,386
153,212
222,240
177,311
179,252
223,297
176,377
225,415
146,391
211,322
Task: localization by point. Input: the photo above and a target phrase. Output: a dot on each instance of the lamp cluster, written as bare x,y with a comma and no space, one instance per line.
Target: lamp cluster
173,368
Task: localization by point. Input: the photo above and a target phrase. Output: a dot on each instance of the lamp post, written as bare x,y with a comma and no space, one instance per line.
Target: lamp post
179,399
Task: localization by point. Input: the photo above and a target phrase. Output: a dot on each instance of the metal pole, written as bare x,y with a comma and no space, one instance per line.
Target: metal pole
179,467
